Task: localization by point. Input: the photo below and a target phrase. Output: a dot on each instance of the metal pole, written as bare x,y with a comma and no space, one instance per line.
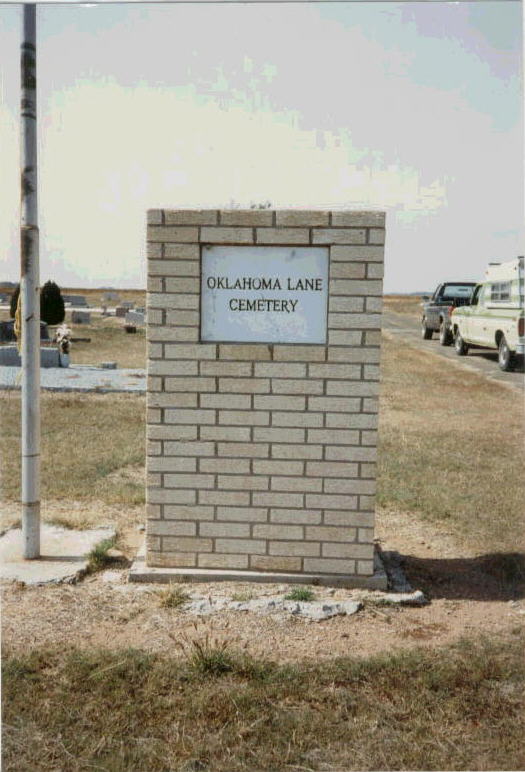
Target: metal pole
30,293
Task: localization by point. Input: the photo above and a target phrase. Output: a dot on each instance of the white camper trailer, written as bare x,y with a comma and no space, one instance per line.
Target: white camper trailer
494,318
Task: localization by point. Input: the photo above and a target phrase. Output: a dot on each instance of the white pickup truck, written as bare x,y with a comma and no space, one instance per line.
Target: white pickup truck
494,318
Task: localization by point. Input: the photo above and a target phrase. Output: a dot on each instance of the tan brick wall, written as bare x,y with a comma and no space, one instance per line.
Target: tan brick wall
262,456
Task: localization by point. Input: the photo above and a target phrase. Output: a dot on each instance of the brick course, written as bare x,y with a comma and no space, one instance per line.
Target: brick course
261,456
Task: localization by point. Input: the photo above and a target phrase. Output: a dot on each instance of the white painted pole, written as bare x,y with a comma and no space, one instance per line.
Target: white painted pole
30,293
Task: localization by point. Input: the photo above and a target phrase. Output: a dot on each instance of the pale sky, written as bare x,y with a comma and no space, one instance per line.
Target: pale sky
414,108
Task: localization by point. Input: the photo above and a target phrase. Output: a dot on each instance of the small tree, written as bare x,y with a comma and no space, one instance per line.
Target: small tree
52,309
14,301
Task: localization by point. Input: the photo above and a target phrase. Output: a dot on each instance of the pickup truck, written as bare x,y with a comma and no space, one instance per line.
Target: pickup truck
494,318
437,309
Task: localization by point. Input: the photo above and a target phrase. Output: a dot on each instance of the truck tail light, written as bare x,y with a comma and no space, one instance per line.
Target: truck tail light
521,327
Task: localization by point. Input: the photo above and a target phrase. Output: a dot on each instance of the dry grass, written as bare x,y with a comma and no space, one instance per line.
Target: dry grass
93,446
451,448
172,596
403,304
109,342
457,708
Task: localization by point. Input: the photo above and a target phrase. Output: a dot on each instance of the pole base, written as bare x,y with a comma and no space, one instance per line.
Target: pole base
31,530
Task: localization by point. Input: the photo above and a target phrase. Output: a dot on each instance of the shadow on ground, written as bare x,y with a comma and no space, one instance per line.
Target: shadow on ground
497,576
492,356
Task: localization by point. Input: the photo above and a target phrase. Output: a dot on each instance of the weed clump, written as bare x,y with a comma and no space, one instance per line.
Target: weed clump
303,594
209,656
98,558
242,597
172,596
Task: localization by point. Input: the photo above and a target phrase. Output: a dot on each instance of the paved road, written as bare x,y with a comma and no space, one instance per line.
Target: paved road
477,360
79,378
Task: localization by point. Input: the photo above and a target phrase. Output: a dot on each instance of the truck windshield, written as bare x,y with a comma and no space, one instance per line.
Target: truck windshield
451,291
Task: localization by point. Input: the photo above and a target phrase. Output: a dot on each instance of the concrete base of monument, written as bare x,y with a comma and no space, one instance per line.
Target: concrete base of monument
140,572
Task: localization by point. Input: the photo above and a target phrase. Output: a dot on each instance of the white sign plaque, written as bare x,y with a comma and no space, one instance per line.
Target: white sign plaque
264,294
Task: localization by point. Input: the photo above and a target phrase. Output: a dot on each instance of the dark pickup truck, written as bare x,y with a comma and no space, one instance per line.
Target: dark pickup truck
437,309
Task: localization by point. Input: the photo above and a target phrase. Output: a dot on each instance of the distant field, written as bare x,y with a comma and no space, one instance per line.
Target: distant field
94,296
403,304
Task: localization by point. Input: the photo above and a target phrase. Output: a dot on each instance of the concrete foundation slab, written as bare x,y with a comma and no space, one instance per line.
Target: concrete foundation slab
140,572
64,554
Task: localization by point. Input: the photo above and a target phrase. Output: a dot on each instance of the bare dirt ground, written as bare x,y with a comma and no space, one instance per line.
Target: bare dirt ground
466,600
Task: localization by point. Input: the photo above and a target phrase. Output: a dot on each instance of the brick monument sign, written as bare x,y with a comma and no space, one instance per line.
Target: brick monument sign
263,374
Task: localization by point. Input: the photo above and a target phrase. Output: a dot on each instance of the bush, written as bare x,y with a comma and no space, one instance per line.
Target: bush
52,309
14,301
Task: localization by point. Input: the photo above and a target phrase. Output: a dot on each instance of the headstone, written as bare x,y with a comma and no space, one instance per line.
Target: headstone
74,300
264,335
81,317
135,317
49,357
121,311
7,331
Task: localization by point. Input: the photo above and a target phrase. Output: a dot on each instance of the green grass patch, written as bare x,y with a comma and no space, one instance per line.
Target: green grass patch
98,558
304,594
456,708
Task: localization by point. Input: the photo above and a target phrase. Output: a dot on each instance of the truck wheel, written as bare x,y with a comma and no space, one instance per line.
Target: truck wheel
445,338
460,345
426,332
506,358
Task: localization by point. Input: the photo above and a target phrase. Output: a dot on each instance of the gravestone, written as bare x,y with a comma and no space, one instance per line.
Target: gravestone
263,375
49,357
81,317
121,311
135,317
7,331
74,300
